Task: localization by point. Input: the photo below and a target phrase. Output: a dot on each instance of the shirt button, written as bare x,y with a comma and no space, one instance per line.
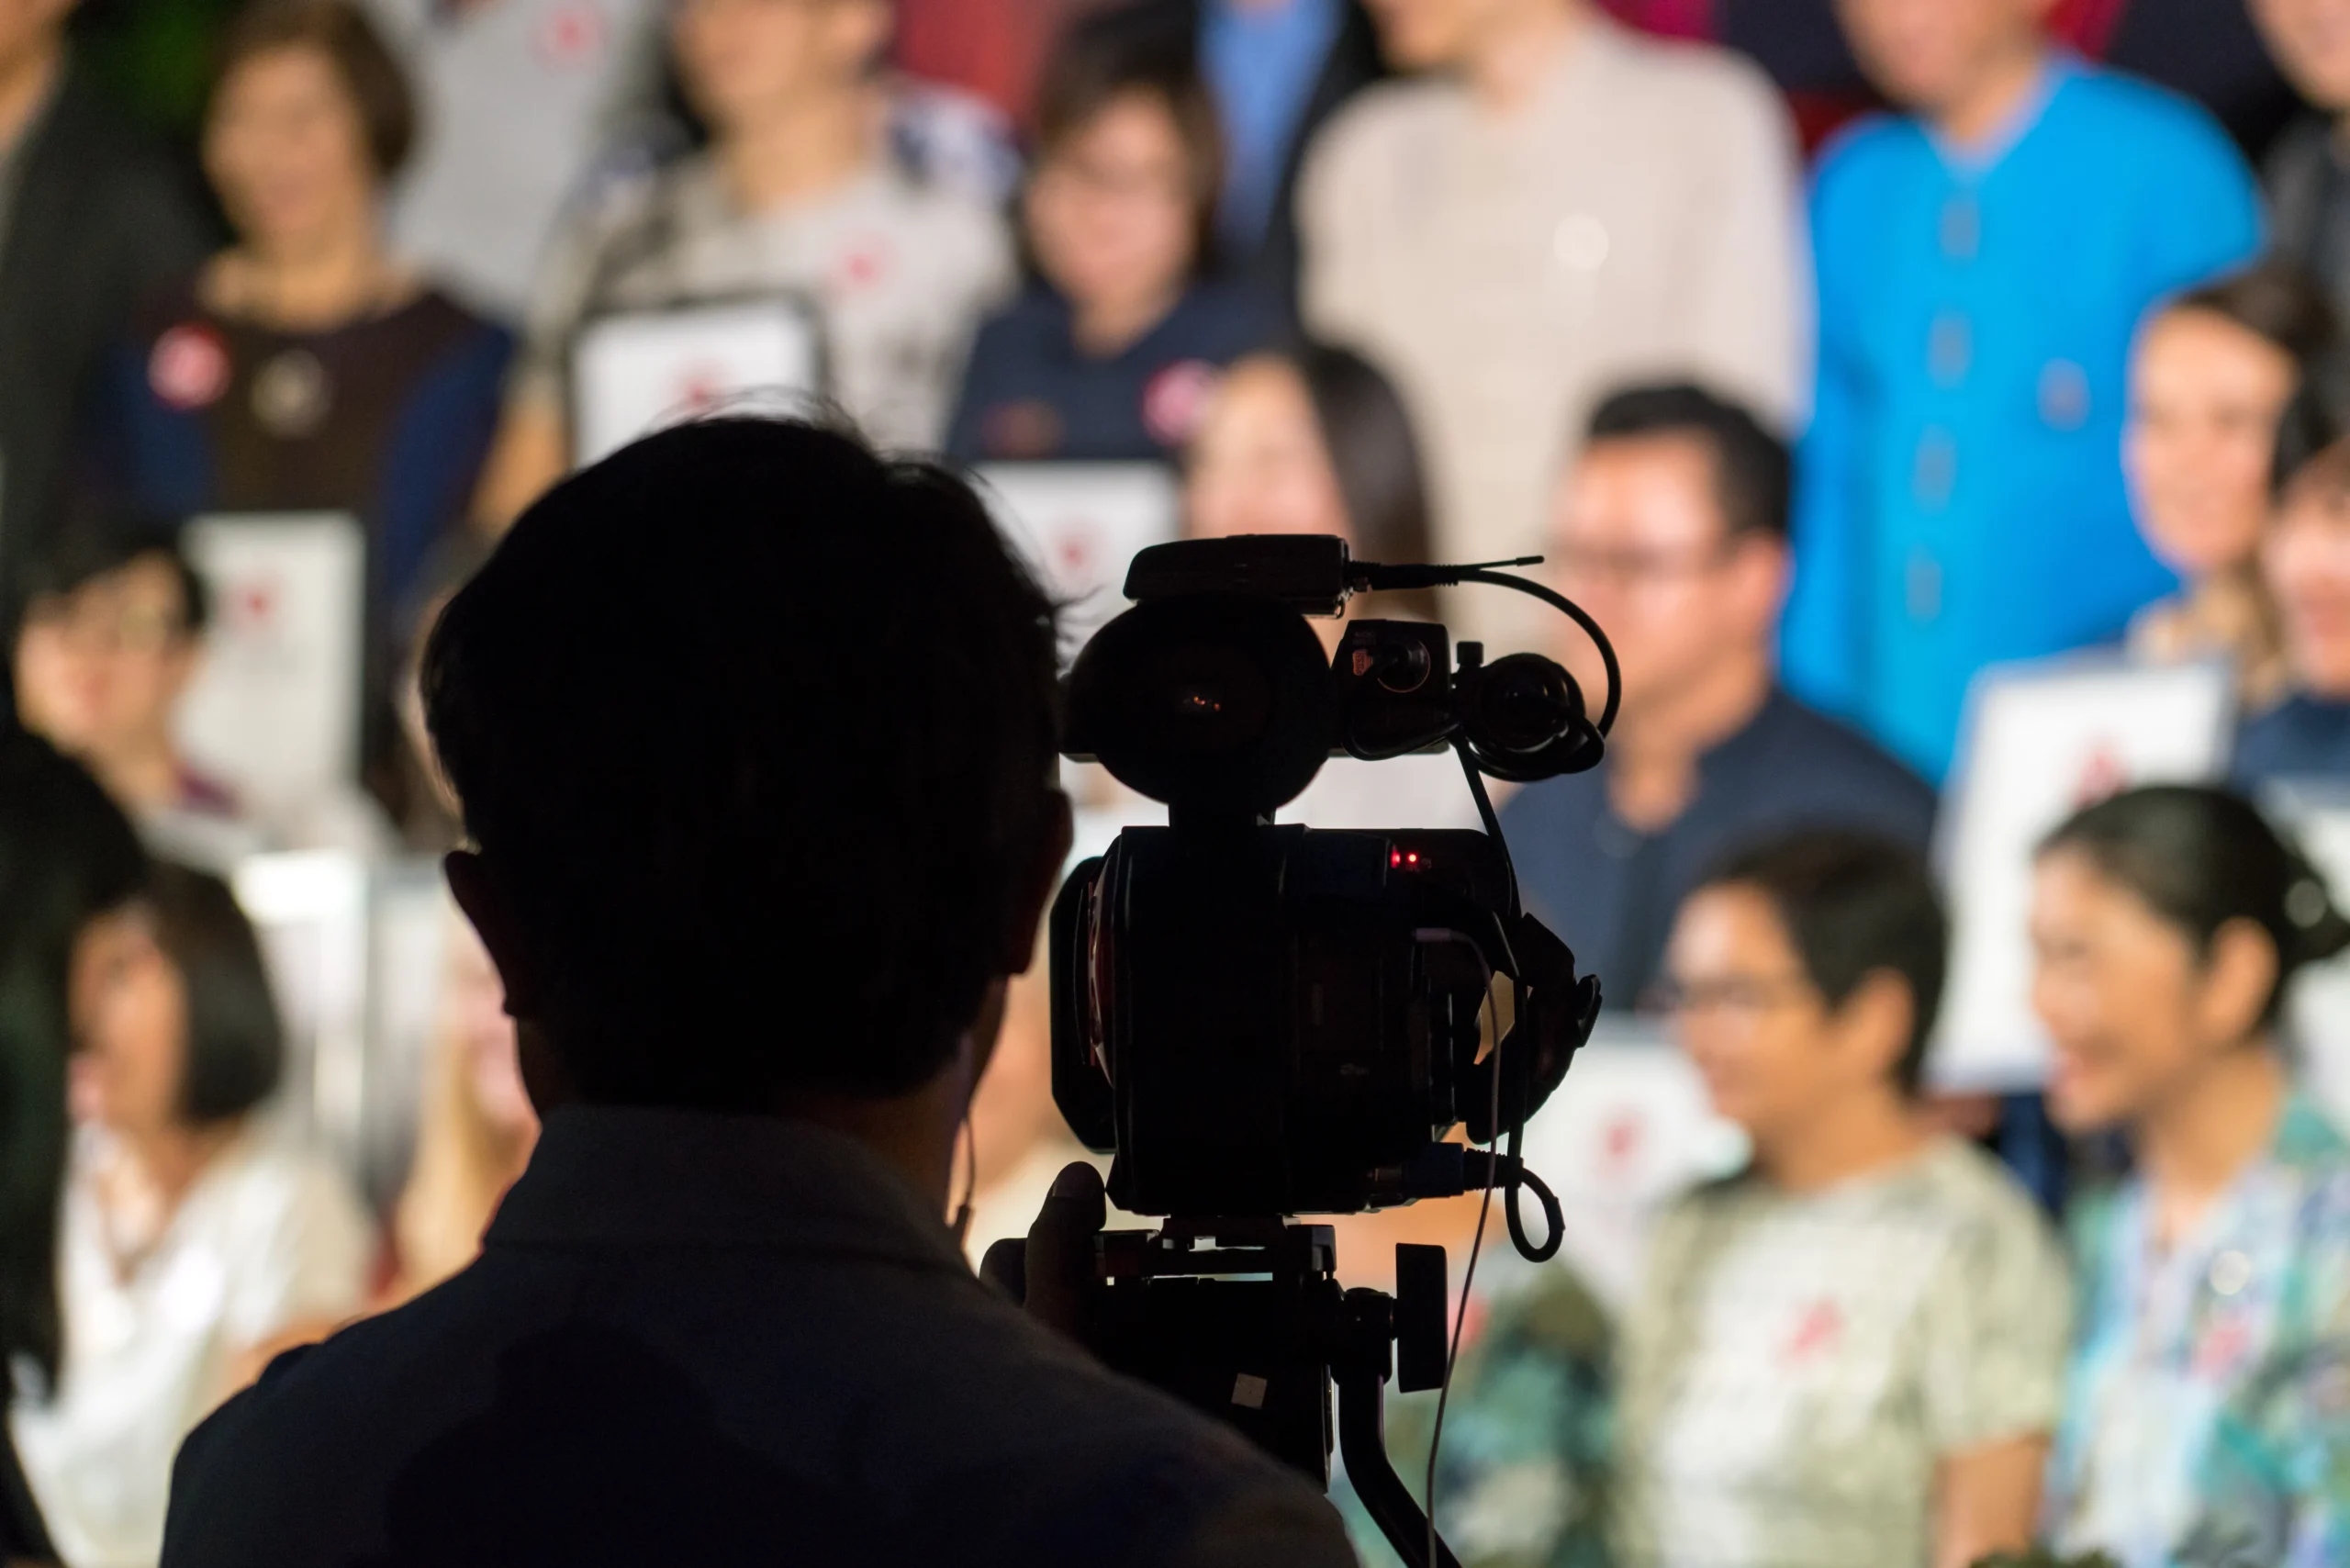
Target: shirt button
1936,469
2063,394
1922,591
1960,229
1950,349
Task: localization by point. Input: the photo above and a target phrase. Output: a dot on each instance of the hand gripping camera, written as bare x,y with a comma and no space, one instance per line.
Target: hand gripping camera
1264,1021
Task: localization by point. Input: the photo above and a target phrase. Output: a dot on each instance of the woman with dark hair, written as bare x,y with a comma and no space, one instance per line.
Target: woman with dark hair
2205,1415
195,1244
2305,559
1112,352
1314,439
2211,377
306,367
69,860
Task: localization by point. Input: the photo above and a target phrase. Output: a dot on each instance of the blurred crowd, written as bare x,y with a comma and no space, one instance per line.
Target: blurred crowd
1831,352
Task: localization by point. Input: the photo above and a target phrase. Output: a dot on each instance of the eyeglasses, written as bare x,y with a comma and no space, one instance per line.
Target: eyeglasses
1106,182
1742,997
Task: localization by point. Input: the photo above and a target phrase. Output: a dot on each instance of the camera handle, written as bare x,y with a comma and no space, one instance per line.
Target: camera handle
1359,1367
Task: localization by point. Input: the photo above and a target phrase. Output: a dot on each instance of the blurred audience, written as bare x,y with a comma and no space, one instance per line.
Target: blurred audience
2203,1421
2307,173
195,1241
796,194
1555,205
1984,258
111,635
2211,373
91,221
1279,70
68,865
1112,352
1851,1352
1672,530
1314,439
475,1131
519,102
306,368
2306,560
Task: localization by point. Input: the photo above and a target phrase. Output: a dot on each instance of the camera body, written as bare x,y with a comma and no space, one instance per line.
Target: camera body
1262,1020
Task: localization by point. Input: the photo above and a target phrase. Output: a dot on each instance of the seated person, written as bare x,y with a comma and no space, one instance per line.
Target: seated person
194,1241
797,194
720,1318
475,1130
2211,375
1110,354
2305,559
2203,1421
1672,530
111,634
1850,1353
1314,439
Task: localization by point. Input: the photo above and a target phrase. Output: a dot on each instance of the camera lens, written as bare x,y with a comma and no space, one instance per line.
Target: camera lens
1522,704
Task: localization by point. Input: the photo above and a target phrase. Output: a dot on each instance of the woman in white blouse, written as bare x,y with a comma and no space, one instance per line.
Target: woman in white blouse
193,1245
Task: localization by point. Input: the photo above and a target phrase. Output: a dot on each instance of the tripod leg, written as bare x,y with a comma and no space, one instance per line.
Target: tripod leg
1363,1443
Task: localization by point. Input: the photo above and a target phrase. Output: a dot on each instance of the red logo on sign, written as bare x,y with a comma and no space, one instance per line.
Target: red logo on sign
571,35
189,368
1175,398
2101,776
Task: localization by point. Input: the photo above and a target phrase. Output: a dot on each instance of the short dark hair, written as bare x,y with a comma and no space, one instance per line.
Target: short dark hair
99,542
1106,55
2274,299
2202,859
67,856
1753,471
1853,906
338,29
758,728
235,1043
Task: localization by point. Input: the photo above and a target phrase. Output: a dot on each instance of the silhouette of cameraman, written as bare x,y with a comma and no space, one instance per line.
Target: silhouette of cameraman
754,733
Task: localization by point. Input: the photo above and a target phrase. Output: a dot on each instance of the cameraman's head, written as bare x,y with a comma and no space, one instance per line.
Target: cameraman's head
1671,528
1805,978
754,735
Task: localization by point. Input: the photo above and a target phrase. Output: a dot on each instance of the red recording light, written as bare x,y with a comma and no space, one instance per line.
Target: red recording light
1413,858
1394,858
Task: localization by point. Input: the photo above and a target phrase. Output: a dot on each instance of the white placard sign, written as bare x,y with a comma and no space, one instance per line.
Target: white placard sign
637,371
1627,1132
1079,524
275,709
2043,739
309,909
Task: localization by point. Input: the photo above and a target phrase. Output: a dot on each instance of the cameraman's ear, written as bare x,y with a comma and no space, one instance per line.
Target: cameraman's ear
483,896
1035,894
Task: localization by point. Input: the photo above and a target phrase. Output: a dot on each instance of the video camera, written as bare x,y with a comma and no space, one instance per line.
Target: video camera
1264,1021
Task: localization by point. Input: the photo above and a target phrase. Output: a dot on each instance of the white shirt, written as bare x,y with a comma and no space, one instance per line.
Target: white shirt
267,1238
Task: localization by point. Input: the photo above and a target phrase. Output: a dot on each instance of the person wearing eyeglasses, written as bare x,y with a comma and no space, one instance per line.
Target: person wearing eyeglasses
1671,528
1851,1351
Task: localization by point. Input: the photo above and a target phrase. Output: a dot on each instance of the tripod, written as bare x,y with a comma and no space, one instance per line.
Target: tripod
1244,1318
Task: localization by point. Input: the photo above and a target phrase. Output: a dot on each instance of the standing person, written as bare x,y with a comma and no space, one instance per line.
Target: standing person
1112,352
1984,257
92,222
608,1384
1556,206
796,194
2203,1423
2307,174
195,1243
69,862
1279,70
1672,530
306,368
520,101
1851,1352
2210,375
2306,561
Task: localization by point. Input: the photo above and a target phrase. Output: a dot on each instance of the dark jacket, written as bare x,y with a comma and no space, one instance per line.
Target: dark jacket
98,221
712,1340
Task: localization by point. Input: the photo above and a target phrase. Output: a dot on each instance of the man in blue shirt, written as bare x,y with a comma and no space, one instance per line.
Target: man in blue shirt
1983,262
1673,531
